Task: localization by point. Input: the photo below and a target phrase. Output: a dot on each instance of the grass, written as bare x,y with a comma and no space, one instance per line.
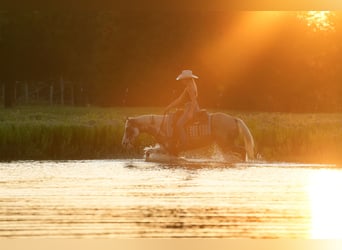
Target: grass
297,137
40,133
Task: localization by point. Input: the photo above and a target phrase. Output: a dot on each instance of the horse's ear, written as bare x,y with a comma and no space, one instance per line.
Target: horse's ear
125,119
130,119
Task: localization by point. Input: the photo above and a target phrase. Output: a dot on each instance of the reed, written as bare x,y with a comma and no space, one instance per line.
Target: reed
40,133
297,137
60,133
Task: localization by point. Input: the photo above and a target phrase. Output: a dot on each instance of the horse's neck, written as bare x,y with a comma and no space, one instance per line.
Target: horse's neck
150,124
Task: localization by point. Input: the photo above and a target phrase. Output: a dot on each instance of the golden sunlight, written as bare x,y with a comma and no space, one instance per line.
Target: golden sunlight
318,20
324,190
237,48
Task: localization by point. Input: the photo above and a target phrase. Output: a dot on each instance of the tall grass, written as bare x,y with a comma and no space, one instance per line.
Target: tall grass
297,137
40,133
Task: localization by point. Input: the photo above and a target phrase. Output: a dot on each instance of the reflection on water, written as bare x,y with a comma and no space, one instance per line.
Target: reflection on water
120,199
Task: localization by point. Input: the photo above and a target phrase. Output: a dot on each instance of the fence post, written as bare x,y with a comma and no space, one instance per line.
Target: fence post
9,94
15,91
62,90
2,91
51,94
26,92
72,95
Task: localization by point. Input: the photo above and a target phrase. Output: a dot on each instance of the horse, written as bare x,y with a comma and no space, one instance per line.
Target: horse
224,130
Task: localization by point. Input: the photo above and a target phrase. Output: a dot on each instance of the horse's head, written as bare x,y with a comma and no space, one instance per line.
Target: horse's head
131,133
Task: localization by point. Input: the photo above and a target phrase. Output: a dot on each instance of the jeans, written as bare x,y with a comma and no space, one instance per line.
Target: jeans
180,126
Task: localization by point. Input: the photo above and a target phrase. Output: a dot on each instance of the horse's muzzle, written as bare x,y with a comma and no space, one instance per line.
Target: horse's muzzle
126,144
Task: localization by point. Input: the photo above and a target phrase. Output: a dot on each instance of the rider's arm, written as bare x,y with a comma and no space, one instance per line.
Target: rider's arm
176,102
192,94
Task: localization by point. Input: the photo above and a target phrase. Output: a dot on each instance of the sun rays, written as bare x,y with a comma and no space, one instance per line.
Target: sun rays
250,34
236,49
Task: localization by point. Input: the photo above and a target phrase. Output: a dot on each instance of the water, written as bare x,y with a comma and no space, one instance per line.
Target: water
133,198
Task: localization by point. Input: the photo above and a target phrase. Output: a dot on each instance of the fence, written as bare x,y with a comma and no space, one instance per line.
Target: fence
48,93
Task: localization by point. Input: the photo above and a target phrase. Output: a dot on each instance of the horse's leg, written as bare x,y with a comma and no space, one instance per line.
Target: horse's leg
230,155
226,132
226,148
229,149
239,150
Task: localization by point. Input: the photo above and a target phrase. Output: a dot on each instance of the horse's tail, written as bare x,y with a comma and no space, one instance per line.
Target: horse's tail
247,138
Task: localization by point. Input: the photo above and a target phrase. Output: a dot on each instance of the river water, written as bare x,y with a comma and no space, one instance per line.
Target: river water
135,199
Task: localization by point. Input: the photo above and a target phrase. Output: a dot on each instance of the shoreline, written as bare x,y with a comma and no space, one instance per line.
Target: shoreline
76,133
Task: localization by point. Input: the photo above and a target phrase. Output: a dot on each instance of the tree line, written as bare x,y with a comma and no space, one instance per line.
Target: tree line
131,58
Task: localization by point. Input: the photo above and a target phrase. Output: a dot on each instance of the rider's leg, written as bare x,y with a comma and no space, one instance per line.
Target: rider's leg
181,133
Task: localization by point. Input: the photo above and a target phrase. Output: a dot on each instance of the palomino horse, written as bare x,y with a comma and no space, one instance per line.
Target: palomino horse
225,129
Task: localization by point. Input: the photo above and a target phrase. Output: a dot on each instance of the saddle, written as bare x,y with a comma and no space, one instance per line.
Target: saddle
199,126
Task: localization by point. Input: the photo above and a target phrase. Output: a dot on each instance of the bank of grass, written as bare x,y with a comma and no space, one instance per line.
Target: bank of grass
54,133
314,137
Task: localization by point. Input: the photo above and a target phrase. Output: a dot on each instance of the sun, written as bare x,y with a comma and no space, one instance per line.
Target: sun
326,206
318,20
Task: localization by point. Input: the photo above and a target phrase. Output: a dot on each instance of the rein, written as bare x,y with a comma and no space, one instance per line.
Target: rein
161,125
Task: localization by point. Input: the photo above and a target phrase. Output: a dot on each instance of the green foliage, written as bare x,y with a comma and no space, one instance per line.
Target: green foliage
297,137
56,133
61,133
114,56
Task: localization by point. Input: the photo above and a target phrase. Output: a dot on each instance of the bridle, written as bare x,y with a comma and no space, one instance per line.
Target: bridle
150,126
161,125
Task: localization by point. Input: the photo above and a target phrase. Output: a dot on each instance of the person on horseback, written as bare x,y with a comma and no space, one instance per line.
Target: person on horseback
188,99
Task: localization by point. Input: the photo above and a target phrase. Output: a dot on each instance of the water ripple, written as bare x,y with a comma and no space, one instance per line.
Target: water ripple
128,199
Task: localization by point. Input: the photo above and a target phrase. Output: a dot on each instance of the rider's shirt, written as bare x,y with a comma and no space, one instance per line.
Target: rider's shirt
191,105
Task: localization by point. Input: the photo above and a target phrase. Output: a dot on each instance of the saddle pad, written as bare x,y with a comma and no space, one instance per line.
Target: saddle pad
199,126
198,129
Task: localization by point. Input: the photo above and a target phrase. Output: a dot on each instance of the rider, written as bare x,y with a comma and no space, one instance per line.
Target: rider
189,99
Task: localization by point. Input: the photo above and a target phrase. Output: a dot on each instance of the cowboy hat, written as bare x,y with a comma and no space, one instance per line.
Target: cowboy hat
186,74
